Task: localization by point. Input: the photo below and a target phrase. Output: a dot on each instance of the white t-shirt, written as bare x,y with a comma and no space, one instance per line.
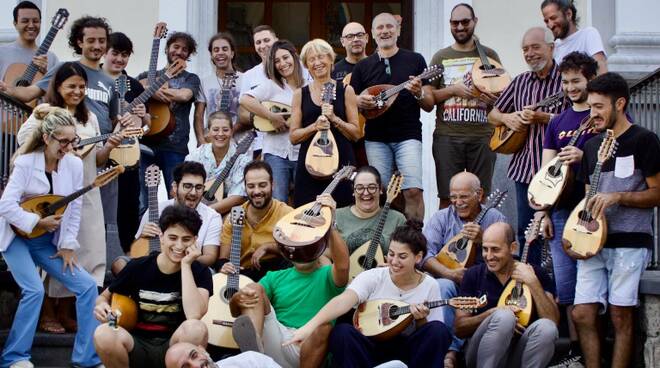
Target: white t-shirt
14,53
586,40
209,233
250,80
376,283
210,95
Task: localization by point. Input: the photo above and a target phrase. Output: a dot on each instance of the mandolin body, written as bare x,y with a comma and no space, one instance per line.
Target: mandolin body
383,105
128,309
303,237
546,186
38,204
493,80
357,258
322,159
507,141
372,320
524,302
264,125
458,252
583,239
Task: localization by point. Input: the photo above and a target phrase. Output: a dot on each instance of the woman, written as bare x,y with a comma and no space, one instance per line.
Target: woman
67,90
44,165
423,344
309,115
215,156
285,73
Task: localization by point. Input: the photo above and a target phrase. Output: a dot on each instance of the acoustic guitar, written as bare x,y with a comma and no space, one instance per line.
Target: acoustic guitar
86,143
53,204
143,246
549,182
302,233
322,159
505,140
263,124
584,235
383,319
459,251
516,293
487,74
227,83
366,255
218,319
385,94
214,189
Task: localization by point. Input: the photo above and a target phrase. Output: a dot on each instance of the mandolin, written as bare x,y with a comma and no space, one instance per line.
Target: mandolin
302,233
584,235
53,204
385,94
383,319
218,319
322,159
487,74
366,255
214,188
263,124
361,119
549,182
86,144
505,140
459,251
143,246
516,293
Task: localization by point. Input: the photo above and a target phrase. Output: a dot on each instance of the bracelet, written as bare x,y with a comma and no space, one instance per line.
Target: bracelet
421,96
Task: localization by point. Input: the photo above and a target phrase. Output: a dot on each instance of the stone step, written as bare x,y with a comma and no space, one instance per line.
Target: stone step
48,350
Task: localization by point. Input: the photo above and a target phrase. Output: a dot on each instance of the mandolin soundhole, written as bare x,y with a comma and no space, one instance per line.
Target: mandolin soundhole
554,171
361,260
588,221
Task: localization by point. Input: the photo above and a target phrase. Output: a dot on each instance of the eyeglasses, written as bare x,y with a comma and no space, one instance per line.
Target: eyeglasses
189,187
65,142
464,22
388,70
371,188
352,36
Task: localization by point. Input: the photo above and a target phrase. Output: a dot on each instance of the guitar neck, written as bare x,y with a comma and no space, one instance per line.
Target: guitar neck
225,100
223,175
154,243
147,93
32,69
595,181
375,239
481,215
432,304
153,60
68,199
235,257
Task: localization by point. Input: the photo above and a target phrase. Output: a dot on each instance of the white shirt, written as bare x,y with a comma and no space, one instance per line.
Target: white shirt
585,40
250,80
209,233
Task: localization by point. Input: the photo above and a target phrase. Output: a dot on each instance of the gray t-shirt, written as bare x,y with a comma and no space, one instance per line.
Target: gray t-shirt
14,53
357,231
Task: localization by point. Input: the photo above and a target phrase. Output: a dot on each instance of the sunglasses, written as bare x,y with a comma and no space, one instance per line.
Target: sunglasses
464,22
388,70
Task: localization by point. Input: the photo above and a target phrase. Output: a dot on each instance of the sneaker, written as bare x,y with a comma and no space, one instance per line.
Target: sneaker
246,335
22,364
571,361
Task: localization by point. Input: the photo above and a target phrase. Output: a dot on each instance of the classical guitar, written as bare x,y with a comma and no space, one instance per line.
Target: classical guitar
385,94
549,182
263,124
459,251
86,143
584,235
214,188
143,246
53,204
487,74
367,255
383,319
162,118
227,83
322,159
517,293
218,319
506,141
301,234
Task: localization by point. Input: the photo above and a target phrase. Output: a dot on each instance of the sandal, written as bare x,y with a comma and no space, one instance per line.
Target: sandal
69,324
51,326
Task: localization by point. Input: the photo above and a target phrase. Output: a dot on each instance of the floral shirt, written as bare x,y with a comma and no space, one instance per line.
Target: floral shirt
234,181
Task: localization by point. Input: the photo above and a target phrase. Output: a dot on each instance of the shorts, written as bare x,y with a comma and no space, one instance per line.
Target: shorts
611,276
406,156
148,351
274,335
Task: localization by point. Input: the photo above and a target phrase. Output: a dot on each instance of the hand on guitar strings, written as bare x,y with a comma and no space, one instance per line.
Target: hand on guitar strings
41,62
602,201
69,260
50,223
366,101
140,111
472,231
161,96
329,112
524,273
114,141
102,311
325,199
515,121
278,121
192,253
570,155
419,311
414,86
534,116
129,120
229,269
150,230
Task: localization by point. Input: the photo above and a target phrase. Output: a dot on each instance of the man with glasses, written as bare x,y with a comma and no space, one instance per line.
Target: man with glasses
188,187
354,39
462,132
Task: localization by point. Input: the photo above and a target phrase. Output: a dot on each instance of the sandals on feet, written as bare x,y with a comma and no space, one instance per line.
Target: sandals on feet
51,326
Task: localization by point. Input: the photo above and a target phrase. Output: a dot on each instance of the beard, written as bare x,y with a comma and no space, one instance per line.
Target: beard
462,40
563,30
266,202
538,66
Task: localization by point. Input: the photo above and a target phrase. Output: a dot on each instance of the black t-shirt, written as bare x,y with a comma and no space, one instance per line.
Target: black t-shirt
158,295
401,122
133,91
636,158
342,69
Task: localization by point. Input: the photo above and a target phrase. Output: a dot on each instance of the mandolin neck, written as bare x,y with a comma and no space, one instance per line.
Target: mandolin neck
406,310
210,194
154,243
148,92
595,181
98,138
482,55
68,199
375,239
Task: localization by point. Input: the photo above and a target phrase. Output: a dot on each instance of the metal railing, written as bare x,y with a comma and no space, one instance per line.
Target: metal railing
644,108
12,114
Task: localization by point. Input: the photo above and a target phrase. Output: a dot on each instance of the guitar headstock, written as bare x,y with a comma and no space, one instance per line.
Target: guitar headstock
152,176
160,31
345,172
237,216
60,18
245,142
534,228
394,187
607,147
132,132
106,176
228,81
552,102
432,72
175,68
328,93
122,85
496,198
470,303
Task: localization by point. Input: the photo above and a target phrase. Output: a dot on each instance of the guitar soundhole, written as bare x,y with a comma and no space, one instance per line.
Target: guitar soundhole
22,83
361,260
42,209
227,293
461,244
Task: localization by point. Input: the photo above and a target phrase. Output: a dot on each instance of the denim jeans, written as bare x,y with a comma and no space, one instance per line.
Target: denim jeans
22,257
563,266
284,173
449,290
525,214
406,156
166,161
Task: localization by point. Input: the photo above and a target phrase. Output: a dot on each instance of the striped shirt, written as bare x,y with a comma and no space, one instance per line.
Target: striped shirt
527,89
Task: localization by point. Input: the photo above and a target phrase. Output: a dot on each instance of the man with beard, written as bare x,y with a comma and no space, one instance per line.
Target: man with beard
513,109
354,39
576,70
259,251
180,93
560,16
188,187
462,133
627,192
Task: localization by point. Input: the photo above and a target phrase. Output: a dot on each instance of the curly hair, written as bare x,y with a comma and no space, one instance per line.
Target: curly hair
190,42
78,30
579,61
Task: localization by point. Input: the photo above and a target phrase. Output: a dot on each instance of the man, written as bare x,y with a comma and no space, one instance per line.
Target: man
271,310
222,48
513,109
259,251
490,331
576,70
627,192
171,291
188,187
180,93
395,137
462,132
187,355
560,16
466,195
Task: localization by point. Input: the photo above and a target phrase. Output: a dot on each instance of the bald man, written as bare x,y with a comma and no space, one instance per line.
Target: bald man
354,39
514,108
491,335
187,355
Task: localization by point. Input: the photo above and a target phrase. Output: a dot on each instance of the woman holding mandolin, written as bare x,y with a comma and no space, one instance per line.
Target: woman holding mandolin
44,165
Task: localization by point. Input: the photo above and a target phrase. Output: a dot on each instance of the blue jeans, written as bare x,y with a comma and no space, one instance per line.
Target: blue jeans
525,214
563,266
284,173
22,257
166,161
406,155
448,290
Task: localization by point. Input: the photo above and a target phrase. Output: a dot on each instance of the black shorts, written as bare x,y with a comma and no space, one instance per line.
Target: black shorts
148,351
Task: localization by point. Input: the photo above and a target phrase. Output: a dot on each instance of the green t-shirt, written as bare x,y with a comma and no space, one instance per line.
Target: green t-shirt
357,231
457,116
296,296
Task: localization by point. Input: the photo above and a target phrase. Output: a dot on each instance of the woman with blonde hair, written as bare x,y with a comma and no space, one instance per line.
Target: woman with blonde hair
44,165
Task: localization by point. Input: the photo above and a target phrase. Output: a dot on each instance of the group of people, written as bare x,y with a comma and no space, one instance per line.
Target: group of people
294,312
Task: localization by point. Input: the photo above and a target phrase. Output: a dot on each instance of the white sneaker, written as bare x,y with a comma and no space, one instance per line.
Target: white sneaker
22,364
